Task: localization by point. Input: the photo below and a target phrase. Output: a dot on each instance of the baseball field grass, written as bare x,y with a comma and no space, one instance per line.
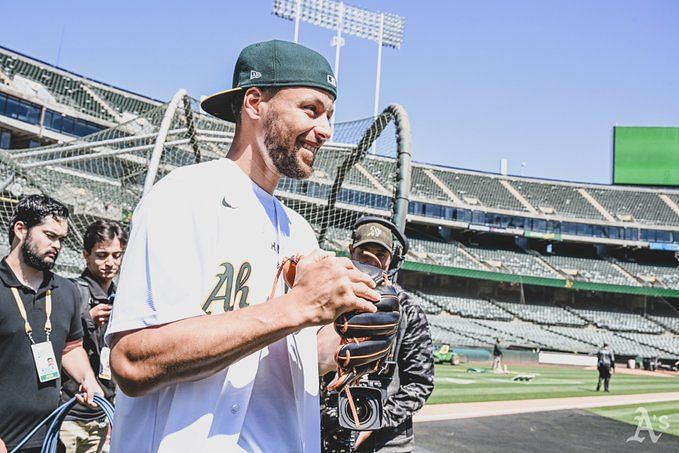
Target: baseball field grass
455,384
664,417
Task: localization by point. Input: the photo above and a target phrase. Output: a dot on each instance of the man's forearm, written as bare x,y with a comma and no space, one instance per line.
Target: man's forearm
195,348
76,363
190,349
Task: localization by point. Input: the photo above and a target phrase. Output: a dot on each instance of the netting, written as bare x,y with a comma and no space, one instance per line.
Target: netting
102,176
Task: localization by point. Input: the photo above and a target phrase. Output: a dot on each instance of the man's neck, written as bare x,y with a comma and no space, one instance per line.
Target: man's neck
248,157
105,283
26,274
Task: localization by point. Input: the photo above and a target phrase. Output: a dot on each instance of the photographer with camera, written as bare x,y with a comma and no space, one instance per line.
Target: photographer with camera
85,429
411,379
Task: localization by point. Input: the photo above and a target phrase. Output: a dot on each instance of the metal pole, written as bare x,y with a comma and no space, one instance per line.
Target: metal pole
338,42
645,304
298,14
404,166
160,140
379,67
373,150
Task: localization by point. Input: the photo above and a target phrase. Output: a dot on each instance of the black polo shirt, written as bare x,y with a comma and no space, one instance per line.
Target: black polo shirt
24,401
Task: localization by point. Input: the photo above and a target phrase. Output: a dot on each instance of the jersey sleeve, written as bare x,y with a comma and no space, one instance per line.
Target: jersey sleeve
161,271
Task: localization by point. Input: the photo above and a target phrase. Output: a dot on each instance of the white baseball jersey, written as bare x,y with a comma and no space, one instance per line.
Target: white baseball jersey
207,240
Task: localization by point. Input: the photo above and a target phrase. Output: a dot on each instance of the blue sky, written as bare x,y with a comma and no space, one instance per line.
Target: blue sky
540,81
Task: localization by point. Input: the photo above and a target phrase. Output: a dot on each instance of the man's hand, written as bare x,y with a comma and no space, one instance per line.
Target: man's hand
88,388
326,286
328,341
3,448
100,313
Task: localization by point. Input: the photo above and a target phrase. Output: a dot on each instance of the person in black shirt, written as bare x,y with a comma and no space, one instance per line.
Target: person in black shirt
605,363
497,357
85,429
39,323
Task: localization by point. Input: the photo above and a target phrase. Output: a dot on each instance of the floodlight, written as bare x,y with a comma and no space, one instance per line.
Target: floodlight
385,29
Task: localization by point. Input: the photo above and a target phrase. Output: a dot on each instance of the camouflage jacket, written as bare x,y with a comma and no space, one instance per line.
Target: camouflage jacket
414,374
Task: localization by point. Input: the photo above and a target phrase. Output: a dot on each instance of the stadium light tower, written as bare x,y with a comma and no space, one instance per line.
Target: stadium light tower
385,29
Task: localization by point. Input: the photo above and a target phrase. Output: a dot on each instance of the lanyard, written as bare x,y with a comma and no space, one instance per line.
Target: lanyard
22,310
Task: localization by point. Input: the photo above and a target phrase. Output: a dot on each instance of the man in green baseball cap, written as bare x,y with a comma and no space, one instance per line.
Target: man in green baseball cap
207,240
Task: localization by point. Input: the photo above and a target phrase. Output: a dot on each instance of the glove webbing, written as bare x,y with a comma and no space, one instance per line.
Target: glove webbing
289,268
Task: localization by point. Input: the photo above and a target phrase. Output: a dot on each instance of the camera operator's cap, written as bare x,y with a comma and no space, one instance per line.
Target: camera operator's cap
374,233
273,64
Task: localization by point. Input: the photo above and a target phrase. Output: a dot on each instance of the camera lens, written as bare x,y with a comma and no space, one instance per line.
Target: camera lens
363,409
368,409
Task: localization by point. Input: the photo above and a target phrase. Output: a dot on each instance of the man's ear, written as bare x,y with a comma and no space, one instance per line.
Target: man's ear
252,102
20,230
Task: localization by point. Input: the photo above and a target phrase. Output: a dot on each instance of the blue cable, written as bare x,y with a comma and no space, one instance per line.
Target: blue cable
56,418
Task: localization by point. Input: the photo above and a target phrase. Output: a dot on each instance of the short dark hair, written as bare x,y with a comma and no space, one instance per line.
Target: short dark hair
33,210
103,230
237,100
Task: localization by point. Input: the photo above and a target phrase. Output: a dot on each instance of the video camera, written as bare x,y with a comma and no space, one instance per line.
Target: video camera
369,398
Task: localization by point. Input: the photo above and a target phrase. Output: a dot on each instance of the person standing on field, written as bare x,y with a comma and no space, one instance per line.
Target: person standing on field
605,365
497,357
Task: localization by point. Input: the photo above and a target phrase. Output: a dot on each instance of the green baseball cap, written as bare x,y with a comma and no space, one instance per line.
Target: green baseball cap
373,233
273,64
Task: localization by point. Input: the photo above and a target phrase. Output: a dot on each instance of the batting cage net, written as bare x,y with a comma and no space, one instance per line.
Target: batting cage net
104,175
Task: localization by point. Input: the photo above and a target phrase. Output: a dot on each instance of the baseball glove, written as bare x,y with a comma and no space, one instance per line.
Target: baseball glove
369,337
366,338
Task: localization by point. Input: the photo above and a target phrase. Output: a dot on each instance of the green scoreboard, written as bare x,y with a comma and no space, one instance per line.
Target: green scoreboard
646,156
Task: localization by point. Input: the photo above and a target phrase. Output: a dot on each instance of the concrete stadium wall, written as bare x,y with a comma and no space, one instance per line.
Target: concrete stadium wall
510,356
557,358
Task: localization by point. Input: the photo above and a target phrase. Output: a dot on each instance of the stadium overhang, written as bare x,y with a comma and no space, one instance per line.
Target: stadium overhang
539,281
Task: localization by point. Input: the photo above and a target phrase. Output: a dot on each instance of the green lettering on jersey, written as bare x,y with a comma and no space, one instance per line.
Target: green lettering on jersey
241,293
221,293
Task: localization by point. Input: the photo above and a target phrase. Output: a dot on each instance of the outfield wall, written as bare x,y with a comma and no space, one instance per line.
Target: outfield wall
510,356
556,358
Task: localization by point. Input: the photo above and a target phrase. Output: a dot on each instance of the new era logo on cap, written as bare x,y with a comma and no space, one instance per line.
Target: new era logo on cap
255,75
331,80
